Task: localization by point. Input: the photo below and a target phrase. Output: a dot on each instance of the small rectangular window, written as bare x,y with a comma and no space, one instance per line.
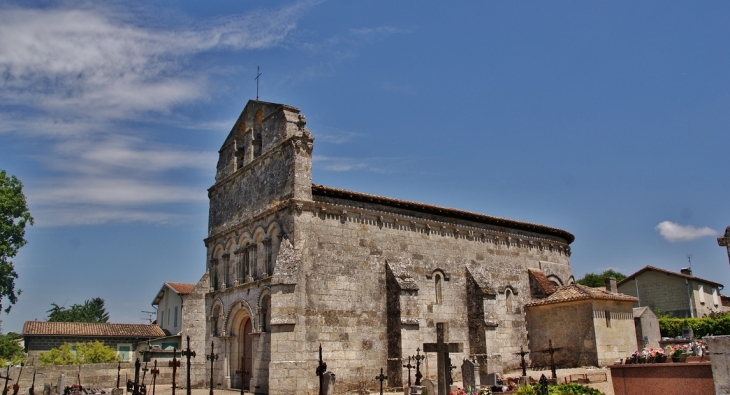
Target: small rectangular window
174,322
162,318
715,297
608,318
701,292
168,316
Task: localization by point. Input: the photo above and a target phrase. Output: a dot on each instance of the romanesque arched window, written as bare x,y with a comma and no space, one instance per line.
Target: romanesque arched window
508,300
438,279
265,318
214,320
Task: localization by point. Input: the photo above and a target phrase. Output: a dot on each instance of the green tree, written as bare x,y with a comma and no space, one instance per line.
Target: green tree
599,280
14,216
10,351
91,311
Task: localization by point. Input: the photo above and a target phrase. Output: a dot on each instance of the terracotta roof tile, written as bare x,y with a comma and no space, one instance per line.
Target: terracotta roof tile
44,328
181,288
658,269
542,281
437,210
573,292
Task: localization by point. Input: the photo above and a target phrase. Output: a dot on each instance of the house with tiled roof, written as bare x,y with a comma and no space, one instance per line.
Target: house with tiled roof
41,336
588,326
181,316
677,293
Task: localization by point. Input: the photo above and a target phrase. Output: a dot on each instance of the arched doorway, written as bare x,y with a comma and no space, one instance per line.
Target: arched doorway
241,358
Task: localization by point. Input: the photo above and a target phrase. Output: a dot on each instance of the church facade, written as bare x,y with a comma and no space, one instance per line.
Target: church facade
374,280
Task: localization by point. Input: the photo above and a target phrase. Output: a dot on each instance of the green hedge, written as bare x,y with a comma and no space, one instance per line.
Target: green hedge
716,325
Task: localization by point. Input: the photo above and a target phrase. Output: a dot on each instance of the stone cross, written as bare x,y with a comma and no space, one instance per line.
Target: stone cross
189,354
418,357
241,373
523,364
174,364
442,350
154,372
409,367
724,241
211,357
382,378
552,350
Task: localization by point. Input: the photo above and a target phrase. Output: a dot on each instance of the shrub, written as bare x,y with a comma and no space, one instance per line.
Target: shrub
560,389
86,353
717,324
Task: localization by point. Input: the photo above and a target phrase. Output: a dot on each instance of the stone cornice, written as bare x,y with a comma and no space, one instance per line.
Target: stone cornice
486,234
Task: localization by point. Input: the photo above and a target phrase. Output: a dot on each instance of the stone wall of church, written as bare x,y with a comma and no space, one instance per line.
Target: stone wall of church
577,345
345,250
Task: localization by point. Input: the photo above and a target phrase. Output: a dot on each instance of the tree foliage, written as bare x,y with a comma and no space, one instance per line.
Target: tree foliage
717,324
599,280
84,353
14,216
91,311
10,351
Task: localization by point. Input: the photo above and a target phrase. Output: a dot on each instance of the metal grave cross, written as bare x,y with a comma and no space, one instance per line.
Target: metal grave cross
174,364
154,372
119,373
523,364
382,378
188,353
321,368
552,350
724,241
442,350
211,357
241,373
7,378
543,385
409,367
418,357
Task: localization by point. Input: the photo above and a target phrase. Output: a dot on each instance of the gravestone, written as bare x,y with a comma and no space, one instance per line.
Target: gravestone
470,374
61,383
329,383
428,385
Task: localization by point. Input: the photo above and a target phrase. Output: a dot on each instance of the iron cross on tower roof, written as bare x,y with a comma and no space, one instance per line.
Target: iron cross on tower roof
258,74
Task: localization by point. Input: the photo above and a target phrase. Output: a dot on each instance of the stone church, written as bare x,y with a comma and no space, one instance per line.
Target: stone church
374,280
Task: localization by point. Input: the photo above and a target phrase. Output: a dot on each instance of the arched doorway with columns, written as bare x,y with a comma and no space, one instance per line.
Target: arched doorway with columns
240,355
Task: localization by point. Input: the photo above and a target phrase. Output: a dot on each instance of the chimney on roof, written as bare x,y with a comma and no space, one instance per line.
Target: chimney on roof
686,270
611,285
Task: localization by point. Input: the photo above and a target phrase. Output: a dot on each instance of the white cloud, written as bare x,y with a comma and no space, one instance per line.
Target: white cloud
675,232
96,61
77,75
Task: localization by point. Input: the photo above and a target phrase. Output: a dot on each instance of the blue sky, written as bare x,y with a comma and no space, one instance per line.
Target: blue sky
606,119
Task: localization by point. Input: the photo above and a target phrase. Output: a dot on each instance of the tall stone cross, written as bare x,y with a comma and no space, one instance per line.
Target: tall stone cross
724,241
443,362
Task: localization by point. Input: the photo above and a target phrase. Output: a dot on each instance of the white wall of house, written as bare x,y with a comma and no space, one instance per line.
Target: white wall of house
169,311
